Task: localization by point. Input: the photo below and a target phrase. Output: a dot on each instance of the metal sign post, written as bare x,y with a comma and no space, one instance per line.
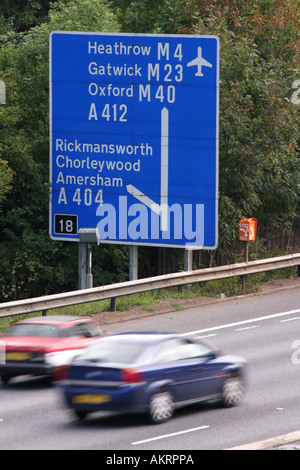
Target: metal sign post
87,237
2,92
247,232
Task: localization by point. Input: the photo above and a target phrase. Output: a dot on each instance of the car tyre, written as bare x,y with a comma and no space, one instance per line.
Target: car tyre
233,391
81,415
5,378
161,407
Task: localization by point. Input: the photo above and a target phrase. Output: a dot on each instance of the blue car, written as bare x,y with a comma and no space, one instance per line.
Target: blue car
153,373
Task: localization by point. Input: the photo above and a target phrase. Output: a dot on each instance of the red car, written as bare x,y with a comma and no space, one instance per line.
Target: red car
41,345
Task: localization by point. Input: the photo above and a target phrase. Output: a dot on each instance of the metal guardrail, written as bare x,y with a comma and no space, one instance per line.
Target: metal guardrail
49,302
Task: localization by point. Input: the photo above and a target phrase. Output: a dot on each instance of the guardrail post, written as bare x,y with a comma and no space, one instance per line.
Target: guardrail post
113,304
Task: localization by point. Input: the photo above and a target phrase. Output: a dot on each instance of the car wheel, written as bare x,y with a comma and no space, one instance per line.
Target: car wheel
161,407
233,391
81,414
5,378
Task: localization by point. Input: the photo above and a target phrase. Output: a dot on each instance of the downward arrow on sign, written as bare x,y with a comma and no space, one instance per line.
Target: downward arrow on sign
162,208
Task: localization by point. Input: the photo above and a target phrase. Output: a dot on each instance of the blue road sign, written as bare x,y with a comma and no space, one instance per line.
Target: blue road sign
134,138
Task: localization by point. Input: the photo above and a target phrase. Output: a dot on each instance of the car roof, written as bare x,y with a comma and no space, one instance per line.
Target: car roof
58,319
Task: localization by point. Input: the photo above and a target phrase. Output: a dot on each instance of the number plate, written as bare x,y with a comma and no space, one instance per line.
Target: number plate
90,398
17,356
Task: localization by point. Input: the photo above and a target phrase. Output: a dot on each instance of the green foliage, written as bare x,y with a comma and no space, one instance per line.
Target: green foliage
21,15
82,15
6,176
152,16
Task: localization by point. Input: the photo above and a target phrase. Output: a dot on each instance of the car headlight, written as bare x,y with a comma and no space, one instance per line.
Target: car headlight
61,358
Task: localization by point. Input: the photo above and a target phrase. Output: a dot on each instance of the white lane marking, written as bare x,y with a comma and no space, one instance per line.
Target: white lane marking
290,319
244,322
207,336
165,436
247,328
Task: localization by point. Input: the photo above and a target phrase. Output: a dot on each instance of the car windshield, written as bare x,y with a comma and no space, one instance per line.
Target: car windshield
34,329
123,352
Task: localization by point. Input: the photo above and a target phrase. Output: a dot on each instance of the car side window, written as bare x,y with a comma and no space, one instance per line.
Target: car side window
192,350
166,351
80,329
180,349
170,351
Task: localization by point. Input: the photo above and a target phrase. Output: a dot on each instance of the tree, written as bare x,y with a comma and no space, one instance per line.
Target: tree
153,16
21,15
6,176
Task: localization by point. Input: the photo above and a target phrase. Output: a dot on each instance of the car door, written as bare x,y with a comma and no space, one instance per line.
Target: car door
187,367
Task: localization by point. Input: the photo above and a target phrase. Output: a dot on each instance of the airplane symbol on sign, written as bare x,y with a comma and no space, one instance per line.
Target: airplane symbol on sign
200,62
